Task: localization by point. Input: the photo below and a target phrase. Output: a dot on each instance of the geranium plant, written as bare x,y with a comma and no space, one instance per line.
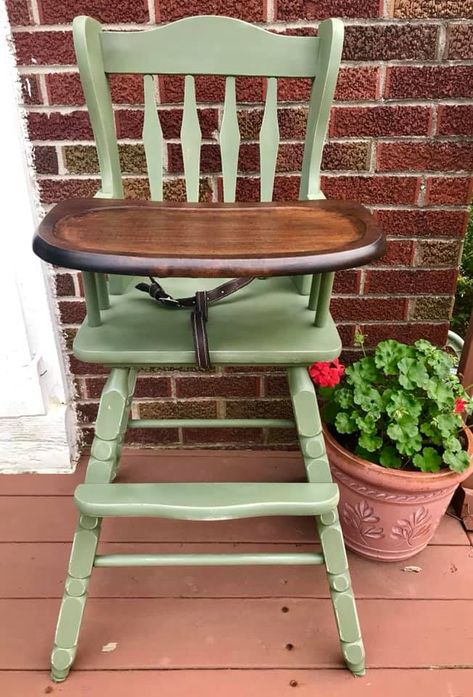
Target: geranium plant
401,407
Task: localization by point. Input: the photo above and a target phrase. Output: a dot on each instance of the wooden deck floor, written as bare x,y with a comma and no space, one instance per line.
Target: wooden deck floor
235,631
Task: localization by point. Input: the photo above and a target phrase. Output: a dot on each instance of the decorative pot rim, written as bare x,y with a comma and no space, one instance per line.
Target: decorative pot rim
393,479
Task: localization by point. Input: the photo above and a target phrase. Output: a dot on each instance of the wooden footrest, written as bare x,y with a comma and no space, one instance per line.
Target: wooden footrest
205,501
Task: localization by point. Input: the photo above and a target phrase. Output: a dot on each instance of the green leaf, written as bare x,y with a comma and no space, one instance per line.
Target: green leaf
457,461
448,424
362,372
388,354
428,461
389,457
401,404
367,423
370,442
412,374
344,397
405,434
330,411
344,424
325,393
368,398
441,393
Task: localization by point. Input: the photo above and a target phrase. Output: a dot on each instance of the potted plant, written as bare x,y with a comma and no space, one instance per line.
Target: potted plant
397,444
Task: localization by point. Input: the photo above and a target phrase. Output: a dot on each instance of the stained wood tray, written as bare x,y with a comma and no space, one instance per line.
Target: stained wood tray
208,239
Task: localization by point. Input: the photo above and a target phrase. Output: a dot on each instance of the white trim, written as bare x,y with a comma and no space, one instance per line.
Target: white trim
36,425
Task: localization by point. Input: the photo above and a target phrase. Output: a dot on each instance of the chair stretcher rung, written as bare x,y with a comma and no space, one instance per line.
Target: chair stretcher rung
260,559
206,501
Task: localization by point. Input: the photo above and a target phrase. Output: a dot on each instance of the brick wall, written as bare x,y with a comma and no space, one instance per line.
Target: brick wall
398,141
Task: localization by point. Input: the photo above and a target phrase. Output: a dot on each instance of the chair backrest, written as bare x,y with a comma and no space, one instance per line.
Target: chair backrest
207,45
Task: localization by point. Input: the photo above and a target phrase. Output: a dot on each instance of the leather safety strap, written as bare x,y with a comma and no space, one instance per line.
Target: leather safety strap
199,303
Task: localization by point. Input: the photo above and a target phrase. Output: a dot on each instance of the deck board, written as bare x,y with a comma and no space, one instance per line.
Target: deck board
178,633
183,631
38,571
243,683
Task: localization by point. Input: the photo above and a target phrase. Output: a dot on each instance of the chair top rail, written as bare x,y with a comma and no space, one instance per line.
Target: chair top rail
209,45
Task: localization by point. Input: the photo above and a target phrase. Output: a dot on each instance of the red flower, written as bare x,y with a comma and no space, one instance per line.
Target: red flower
326,374
460,405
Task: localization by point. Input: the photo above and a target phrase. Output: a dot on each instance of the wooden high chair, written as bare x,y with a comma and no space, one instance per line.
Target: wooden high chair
275,311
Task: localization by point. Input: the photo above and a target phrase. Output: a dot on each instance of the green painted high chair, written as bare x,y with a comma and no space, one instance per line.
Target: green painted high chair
275,312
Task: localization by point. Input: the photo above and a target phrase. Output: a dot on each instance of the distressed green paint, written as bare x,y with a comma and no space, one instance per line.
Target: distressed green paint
269,141
94,318
209,46
211,423
266,559
322,312
153,142
331,539
102,291
202,501
191,139
229,138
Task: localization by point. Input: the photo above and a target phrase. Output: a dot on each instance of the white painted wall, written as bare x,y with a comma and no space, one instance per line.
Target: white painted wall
37,424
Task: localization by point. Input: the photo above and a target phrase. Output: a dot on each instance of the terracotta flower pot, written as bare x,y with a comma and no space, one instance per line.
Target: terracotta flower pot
387,514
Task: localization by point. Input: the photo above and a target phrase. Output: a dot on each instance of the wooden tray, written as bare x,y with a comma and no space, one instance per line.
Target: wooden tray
208,239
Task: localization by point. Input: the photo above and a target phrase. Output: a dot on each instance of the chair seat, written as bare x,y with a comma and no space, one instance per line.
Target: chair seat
199,501
265,323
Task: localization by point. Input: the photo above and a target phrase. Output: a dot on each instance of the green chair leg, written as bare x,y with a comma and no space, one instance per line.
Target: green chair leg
343,600
75,596
317,467
105,453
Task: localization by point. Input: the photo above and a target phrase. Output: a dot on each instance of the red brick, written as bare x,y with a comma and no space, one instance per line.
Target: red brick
250,10
346,156
366,309
45,159
18,12
64,284
294,89
396,190
54,12
130,122
80,368
87,412
276,386
72,311
286,188
292,123
460,42
380,121
455,120
347,333
259,409
423,223
151,387
30,90
221,386
194,436
398,253
209,88
44,48
355,84
417,157
390,42
429,82
66,88
56,126
54,190
181,409
289,10
156,437
427,8
449,190
347,281
407,333
410,281
436,253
